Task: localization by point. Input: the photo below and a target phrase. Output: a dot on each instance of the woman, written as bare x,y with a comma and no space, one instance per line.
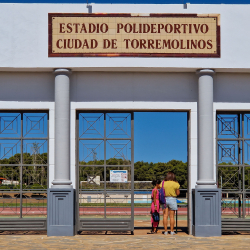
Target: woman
172,190
155,206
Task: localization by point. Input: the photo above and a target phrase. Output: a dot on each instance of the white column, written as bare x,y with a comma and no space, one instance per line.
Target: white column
62,129
205,130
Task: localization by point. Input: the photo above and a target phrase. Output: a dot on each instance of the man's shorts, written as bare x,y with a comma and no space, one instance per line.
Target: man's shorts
171,203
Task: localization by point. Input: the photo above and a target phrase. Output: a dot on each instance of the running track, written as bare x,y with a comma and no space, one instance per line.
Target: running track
116,211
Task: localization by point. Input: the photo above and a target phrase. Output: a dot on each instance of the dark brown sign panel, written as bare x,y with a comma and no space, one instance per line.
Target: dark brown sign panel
134,35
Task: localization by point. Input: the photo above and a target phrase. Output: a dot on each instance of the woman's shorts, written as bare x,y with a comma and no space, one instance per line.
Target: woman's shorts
171,203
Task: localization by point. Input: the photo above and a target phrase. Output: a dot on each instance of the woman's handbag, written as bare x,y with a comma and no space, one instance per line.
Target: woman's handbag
162,194
156,216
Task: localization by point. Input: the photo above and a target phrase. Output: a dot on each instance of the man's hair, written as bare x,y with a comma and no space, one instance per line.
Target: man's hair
170,176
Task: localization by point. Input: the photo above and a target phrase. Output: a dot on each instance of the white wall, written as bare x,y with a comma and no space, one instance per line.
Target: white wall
128,86
232,88
123,86
31,87
24,39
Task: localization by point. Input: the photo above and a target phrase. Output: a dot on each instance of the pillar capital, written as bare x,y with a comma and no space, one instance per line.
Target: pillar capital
202,72
62,72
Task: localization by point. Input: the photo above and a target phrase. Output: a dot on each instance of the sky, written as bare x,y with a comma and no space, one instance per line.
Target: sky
160,136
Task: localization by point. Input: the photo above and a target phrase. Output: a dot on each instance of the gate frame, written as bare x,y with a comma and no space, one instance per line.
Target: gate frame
104,224
241,191
37,224
233,107
190,109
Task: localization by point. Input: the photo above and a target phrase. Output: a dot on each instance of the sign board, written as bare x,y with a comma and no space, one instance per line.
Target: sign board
134,35
118,175
93,179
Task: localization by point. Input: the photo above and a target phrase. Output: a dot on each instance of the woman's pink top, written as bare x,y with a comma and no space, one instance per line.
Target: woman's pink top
153,208
157,194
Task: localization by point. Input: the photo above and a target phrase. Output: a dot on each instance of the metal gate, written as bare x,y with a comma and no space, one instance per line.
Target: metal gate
233,169
23,170
105,170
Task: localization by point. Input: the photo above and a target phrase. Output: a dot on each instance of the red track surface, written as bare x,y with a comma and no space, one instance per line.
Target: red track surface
25,211
122,211
85,211
98,211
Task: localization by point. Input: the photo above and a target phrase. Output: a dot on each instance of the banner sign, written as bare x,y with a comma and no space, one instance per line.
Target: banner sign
118,175
134,35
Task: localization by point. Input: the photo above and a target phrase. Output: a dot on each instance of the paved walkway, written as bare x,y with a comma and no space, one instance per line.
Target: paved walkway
123,241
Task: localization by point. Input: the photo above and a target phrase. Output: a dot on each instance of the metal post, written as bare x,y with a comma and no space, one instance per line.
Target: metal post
105,167
21,170
206,195
132,174
243,168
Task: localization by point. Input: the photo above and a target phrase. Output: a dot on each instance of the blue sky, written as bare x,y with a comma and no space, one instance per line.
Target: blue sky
160,136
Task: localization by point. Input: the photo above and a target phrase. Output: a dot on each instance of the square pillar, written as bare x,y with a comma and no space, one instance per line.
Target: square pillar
206,212
60,212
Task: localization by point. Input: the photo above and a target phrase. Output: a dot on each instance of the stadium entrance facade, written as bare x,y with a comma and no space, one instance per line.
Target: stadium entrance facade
49,88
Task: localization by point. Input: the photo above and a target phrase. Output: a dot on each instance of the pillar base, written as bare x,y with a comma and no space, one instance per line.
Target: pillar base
60,209
211,183
61,183
207,187
206,212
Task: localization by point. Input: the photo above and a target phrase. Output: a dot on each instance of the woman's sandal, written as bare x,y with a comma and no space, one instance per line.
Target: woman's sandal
151,232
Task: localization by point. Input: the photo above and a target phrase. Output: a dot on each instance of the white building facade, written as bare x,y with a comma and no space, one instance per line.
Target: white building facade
32,81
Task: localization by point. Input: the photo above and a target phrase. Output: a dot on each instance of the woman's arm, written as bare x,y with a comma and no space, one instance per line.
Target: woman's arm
154,197
177,191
